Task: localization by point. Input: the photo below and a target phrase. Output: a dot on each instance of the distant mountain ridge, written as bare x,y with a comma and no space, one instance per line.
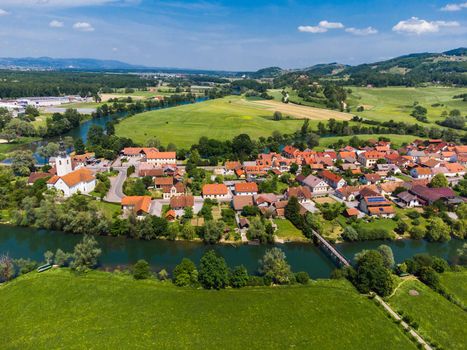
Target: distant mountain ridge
48,63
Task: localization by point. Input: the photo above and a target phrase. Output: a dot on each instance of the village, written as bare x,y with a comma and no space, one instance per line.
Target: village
368,184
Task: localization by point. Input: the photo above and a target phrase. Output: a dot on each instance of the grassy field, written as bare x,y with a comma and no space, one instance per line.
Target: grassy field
287,231
456,284
397,140
396,103
220,119
439,319
98,310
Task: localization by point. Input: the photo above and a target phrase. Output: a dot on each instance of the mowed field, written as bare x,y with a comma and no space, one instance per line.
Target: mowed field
58,309
438,319
219,119
396,103
300,111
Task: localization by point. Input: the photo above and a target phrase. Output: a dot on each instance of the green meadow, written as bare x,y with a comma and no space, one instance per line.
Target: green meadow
220,119
99,310
396,103
440,320
456,284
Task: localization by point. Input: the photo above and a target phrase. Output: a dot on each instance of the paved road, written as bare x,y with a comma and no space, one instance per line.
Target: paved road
115,193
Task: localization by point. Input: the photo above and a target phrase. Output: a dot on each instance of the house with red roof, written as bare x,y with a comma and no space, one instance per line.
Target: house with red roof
246,188
377,206
81,180
161,158
215,191
369,158
333,180
140,205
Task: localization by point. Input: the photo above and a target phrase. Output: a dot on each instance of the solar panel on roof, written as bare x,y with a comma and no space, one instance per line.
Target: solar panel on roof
376,199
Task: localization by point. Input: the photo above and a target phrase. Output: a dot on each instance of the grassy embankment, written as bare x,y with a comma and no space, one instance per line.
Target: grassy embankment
102,310
440,320
288,232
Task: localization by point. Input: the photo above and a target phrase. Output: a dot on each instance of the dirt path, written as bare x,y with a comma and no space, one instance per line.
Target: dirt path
405,279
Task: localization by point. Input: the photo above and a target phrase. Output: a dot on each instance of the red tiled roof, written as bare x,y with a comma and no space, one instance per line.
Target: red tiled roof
139,203
246,187
182,202
241,201
215,189
163,181
331,176
33,177
161,155
74,178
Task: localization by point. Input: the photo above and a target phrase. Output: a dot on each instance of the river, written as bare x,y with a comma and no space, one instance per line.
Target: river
20,242
82,130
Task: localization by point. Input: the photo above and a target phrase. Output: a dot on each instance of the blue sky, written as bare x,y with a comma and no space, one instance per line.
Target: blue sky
231,35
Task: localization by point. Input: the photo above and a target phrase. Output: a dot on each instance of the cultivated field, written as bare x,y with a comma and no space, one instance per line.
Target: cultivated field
299,111
58,309
219,119
439,319
396,103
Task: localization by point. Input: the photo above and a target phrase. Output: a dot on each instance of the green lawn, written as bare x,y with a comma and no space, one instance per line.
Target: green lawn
396,103
456,284
287,231
439,319
108,208
57,309
396,140
220,119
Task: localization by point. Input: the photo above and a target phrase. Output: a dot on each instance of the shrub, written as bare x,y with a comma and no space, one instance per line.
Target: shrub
239,277
254,281
302,277
141,270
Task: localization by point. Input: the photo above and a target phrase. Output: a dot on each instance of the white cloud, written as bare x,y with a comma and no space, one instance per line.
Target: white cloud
322,27
311,29
330,25
362,31
3,12
421,26
454,7
83,27
56,24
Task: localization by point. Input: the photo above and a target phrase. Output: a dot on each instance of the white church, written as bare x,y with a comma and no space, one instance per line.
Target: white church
71,181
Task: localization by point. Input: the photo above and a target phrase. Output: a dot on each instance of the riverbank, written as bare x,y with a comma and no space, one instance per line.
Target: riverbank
115,311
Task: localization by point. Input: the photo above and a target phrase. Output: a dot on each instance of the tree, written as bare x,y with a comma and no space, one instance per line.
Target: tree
292,211
212,231
32,111
239,277
277,115
372,275
429,276
293,168
49,150
141,270
462,253
439,180
7,269
388,256
188,213
79,146
86,253
185,274
274,267
417,232
22,163
437,230
213,271
162,275
62,258
257,230
350,234
188,231
49,257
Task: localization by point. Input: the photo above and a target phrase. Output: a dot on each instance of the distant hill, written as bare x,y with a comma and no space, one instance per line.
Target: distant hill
448,67
48,63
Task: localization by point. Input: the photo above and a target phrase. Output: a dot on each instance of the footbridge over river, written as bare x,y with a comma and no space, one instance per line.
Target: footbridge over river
330,250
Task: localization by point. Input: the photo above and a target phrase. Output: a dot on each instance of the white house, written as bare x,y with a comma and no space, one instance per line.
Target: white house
81,180
215,191
161,158
317,186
